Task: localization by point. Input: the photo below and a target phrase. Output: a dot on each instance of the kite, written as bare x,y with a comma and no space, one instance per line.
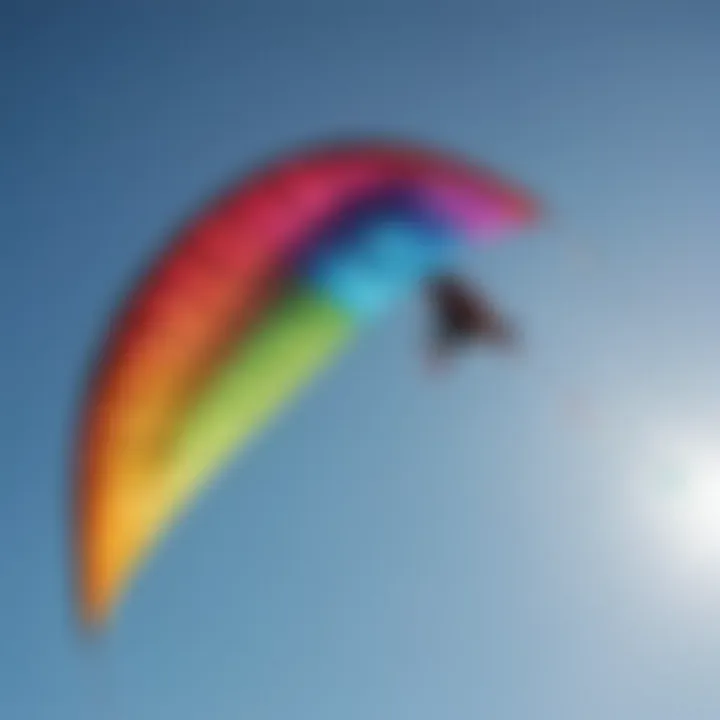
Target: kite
250,300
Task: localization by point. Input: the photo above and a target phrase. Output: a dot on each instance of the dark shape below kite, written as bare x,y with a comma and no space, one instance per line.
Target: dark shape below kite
463,317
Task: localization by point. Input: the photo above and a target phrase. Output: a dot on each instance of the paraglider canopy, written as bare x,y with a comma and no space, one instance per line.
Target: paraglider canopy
251,299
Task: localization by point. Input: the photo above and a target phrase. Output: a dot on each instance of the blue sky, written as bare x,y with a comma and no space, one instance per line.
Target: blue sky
398,546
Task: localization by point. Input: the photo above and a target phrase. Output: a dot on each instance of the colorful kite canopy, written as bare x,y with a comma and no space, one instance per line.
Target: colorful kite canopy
249,302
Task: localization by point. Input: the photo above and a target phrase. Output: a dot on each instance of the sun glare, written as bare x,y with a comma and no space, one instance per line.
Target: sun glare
685,506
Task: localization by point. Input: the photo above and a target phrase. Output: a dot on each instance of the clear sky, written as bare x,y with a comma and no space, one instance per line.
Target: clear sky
526,538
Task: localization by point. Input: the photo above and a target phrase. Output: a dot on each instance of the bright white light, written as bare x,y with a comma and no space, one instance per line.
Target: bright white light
690,512
685,505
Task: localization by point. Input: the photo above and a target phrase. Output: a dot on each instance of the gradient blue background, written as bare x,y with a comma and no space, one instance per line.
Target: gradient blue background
400,546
